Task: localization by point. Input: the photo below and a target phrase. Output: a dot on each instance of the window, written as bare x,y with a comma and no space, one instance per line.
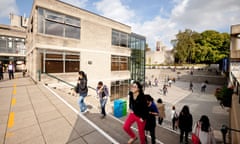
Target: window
119,89
119,38
119,63
57,24
54,28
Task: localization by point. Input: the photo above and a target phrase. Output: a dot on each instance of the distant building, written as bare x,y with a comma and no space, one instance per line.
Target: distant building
12,42
160,46
160,56
62,38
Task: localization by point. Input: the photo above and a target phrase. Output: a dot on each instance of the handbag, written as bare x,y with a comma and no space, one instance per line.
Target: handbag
195,136
76,88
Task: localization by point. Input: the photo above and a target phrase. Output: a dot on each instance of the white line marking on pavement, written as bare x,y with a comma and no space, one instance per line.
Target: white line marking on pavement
83,117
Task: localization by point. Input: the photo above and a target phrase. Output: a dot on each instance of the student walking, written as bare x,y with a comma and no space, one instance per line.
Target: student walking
161,111
191,86
83,91
10,70
138,113
151,119
203,130
1,70
185,123
174,117
164,89
103,93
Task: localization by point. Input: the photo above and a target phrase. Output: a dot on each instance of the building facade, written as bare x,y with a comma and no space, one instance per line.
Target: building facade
235,81
12,42
62,38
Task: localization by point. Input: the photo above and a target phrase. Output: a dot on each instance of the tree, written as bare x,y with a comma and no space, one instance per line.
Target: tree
207,47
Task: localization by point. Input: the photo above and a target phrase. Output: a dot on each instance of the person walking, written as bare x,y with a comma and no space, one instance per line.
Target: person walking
151,119
185,123
83,91
161,110
10,70
138,113
1,70
191,86
103,93
174,118
164,89
204,131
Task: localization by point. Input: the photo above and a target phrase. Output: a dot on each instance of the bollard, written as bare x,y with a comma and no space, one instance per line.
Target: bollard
39,75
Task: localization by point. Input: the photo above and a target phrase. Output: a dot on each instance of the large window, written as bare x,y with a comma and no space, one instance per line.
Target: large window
12,45
137,44
54,23
119,63
119,38
119,89
59,62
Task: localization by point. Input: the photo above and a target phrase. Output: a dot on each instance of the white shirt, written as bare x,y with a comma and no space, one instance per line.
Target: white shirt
10,67
205,137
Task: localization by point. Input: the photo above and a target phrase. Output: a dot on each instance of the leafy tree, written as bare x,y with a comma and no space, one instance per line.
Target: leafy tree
207,47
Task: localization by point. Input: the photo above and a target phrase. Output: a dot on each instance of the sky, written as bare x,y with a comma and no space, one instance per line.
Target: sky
157,20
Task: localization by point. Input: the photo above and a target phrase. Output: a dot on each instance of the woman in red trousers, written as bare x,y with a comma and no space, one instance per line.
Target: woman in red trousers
138,113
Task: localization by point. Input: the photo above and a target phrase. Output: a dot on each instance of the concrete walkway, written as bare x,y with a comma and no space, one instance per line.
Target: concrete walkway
29,113
36,113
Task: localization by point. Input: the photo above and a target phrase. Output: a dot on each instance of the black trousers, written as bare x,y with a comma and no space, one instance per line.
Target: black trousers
10,73
183,132
152,134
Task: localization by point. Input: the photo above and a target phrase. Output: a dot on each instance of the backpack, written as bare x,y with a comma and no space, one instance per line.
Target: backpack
175,116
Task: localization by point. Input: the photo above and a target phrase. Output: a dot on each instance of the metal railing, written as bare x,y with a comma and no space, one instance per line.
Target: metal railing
63,81
225,130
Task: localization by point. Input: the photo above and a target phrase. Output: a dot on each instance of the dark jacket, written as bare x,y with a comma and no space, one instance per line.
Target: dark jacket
185,122
83,89
138,106
104,93
151,119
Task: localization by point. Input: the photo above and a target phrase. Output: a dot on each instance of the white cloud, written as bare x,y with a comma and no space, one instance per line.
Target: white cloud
7,7
114,9
205,14
78,3
194,14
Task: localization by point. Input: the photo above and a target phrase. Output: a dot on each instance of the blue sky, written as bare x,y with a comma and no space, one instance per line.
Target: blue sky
158,20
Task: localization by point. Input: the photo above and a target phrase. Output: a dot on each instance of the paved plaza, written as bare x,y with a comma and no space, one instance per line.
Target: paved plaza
47,114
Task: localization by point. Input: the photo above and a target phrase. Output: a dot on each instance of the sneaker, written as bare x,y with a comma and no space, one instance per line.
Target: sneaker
83,112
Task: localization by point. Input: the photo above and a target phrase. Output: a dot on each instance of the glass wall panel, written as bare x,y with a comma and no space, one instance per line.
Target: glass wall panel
53,28
119,38
137,45
119,63
3,43
72,21
123,40
119,89
57,24
71,66
72,32
115,38
50,15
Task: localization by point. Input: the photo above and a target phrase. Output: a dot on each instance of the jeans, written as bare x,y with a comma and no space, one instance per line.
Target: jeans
140,124
103,102
10,73
81,103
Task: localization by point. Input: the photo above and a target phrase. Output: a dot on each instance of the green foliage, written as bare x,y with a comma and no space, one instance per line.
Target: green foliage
224,95
207,47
